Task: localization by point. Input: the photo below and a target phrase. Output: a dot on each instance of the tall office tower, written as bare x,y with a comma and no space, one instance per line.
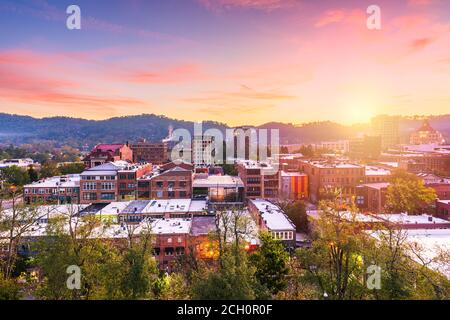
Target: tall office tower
387,127
202,150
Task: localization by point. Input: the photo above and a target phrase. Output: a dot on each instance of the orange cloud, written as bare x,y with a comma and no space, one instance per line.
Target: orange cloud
419,44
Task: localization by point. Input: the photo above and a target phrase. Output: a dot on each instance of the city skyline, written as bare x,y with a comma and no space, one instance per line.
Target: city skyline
232,61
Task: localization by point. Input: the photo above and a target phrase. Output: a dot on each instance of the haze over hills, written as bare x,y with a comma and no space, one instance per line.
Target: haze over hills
77,132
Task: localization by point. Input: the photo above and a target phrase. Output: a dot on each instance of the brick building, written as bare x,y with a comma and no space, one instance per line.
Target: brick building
104,153
60,189
174,183
443,209
371,197
112,181
271,218
259,179
324,176
440,184
426,135
154,153
375,174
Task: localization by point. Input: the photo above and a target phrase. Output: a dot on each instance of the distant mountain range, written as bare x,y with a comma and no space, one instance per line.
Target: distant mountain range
78,132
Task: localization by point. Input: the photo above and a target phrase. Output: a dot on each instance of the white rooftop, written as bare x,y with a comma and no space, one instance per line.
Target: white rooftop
403,218
377,171
204,181
69,181
274,217
333,165
113,208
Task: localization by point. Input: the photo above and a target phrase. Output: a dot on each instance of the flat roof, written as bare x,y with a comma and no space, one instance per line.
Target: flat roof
428,243
403,218
376,185
274,217
69,181
155,226
292,174
113,208
160,206
203,181
332,165
377,171
250,164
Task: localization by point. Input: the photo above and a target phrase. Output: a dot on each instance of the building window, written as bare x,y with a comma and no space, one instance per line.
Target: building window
108,196
89,186
360,200
108,185
89,196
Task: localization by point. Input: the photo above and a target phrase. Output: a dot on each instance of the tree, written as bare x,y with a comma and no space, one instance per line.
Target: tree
270,262
231,281
32,174
141,270
334,263
15,176
407,193
72,168
296,211
233,277
171,287
229,169
14,224
9,290
49,169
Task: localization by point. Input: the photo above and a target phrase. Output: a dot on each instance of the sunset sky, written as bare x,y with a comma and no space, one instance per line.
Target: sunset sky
234,61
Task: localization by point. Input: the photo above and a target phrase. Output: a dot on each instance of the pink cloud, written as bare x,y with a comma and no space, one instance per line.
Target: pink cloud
340,16
26,77
265,5
420,2
172,74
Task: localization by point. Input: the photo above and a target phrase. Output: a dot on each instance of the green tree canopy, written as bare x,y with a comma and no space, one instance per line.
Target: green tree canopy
407,193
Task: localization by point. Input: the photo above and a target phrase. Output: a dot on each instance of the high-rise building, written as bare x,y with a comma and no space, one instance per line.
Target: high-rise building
202,150
387,127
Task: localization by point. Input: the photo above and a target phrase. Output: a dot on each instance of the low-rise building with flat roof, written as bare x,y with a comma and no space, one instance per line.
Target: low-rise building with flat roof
269,217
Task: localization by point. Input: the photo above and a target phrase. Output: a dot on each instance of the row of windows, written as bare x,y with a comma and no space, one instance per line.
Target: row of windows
171,194
49,190
283,235
171,184
103,186
98,178
341,180
130,176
